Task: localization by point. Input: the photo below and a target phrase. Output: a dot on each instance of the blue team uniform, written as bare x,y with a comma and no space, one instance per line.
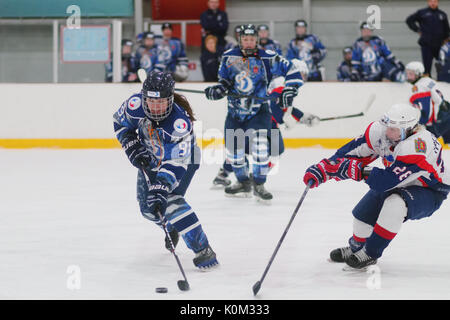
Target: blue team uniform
310,50
251,76
444,63
272,45
346,73
147,58
175,158
170,54
374,60
129,66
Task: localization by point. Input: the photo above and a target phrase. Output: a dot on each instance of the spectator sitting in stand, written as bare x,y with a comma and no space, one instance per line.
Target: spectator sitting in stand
210,59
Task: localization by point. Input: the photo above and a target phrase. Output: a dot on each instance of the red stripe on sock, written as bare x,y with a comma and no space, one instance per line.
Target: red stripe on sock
382,232
358,239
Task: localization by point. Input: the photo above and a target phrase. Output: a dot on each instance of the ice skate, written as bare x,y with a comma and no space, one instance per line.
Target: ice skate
340,254
360,260
261,193
221,180
175,237
205,259
239,189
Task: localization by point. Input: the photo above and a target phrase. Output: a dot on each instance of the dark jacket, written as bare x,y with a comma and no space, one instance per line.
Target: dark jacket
210,65
215,23
433,24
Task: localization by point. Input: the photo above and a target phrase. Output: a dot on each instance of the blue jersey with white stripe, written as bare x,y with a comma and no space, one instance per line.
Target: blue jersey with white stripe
251,76
171,141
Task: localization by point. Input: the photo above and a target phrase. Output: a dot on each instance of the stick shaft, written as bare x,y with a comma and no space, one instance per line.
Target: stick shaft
284,234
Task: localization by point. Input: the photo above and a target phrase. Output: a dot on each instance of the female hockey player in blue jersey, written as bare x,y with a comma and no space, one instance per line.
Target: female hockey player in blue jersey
247,70
155,129
413,185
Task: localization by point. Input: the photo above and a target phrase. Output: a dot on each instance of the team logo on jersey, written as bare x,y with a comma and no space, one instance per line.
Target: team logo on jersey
420,145
369,55
243,81
255,69
134,103
180,126
414,88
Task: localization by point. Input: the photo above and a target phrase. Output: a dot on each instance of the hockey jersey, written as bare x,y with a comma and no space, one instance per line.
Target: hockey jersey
251,76
170,54
417,160
426,97
171,142
309,49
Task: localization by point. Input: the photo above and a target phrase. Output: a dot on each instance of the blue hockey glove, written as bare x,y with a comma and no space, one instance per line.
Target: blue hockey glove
157,198
215,92
343,168
317,174
287,96
137,153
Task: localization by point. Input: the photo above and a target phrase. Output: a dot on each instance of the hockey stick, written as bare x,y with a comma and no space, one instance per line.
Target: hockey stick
183,285
258,284
366,108
142,75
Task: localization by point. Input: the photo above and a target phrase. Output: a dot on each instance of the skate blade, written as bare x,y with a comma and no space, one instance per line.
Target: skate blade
217,187
242,195
347,268
210,268
264,202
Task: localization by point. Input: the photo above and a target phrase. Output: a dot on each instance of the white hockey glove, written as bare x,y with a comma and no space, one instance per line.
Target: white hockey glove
288,120
309,119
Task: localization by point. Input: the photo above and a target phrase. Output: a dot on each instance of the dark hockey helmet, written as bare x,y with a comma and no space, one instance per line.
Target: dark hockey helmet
347,50
127,42
157,95
263,27
301,23
248,30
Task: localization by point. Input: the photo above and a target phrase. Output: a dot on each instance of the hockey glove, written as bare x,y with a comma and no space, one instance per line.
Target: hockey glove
215,92
288,119
344,168
137,153
287,96
316,173
309,119
157,199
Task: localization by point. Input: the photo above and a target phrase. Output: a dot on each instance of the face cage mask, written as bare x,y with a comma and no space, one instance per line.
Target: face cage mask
158,114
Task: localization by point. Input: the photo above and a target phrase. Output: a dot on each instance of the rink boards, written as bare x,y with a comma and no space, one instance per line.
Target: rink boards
79,116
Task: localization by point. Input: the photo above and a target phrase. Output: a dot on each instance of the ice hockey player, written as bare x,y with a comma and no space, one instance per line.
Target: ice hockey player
129,64
147,54
233,42
434,109
345,71
309,48
171,54
443,63
248,71
412,186
373,59
155,130
265,42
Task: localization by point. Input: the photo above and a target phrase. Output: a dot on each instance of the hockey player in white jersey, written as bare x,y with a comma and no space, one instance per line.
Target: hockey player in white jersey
435,111
412,186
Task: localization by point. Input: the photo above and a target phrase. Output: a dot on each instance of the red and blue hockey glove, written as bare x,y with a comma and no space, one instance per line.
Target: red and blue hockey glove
343,168
317,174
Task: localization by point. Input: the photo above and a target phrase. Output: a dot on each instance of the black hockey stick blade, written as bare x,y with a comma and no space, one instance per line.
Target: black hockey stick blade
183,285
343,117
256,287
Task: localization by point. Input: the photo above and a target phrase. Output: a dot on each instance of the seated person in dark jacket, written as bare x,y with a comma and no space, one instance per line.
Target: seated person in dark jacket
210,59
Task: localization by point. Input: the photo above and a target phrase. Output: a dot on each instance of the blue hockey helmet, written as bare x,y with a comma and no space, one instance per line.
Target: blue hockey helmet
157,95
248,30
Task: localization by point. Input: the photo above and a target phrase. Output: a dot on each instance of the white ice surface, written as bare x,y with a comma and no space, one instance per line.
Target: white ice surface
78,207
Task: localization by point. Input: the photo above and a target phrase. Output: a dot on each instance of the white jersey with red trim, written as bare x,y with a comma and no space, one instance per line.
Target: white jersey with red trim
427,98
417,160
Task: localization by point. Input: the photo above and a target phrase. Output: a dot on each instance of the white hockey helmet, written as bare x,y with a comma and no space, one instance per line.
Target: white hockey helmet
417,67
402,116
301,66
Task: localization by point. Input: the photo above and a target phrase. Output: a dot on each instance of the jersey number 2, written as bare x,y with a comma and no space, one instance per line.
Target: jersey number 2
400,172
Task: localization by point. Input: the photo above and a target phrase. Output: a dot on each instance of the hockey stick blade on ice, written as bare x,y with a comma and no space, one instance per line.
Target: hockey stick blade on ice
360,114
257,286
183,285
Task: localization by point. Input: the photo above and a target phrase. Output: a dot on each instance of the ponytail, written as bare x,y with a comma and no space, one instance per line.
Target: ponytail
182,102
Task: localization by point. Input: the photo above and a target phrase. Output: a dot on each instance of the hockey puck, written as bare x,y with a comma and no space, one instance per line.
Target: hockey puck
161,290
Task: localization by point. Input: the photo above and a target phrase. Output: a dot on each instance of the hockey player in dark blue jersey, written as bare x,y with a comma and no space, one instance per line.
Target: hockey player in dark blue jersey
412,186
373,59
171,54
443,63
308,48
265,42
345,71
146,54
155,129
248,71
129,64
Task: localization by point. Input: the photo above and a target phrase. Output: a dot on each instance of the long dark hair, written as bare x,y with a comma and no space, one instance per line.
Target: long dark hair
182,102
